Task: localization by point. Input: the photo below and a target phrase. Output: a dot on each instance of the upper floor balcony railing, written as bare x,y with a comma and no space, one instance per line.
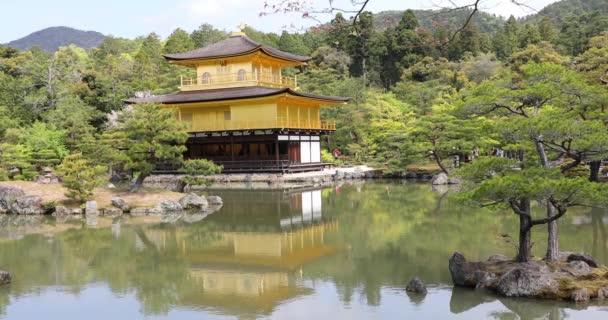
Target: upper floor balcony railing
240,79
282,123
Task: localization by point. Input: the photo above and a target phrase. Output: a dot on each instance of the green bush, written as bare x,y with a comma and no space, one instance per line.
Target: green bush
200,167
80,176
327,157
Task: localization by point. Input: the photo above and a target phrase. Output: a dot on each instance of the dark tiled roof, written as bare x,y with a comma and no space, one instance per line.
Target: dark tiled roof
234,46
228,94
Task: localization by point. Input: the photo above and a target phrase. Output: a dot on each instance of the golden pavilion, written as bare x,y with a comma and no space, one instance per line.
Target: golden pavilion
243,113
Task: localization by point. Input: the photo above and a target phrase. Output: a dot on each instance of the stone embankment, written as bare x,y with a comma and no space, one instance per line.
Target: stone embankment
13,200
269,181
575,277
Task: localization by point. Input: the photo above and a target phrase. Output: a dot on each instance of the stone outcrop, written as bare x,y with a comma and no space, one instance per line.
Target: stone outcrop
193,201
120,204
416,285
169,206
579,268
440,179
215,201
575,280
583,257
5,277
464,273
602,293
530,279
28,205
580,295
61,211
8,195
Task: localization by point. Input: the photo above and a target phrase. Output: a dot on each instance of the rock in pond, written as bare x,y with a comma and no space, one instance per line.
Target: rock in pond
416,286
579,268
588,259
5,277
120,204
530,279
580,295
440,179
28,205
215,201
193,201
8,194
463,272
602,293
166,206
61,211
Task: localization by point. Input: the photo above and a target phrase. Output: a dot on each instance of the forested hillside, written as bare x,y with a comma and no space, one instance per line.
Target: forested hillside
404,79
50,39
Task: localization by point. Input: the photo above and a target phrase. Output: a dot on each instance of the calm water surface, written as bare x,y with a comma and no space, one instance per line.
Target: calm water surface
344,252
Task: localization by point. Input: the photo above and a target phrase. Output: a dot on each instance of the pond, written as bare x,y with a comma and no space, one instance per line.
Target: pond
343,252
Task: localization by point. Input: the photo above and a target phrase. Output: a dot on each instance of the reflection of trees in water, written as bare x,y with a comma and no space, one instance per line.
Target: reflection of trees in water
465,299
388,232
600,241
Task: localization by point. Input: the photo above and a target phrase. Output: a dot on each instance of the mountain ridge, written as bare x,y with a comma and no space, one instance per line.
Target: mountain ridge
51,38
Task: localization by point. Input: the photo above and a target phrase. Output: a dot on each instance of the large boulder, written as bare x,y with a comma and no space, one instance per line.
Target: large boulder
120,204
579,268
193,201
416,285
440,179
8,195
169,206
530,279
61,211
588,259
464,273
5,277
215,201
28,205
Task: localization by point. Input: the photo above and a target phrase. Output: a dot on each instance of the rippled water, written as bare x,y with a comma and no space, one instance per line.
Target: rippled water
344,252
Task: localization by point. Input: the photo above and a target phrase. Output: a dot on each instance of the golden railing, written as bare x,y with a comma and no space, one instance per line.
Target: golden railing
282,123
209,81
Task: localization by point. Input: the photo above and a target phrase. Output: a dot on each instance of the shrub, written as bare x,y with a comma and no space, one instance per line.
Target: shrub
200,167
80,176
195,168
326,156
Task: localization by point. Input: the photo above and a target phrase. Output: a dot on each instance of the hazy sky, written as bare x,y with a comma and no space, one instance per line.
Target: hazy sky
132,18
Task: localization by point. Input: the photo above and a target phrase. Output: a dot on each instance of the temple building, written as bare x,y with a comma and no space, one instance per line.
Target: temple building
243,113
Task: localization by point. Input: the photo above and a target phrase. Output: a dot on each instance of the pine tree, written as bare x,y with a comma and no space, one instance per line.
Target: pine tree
152,135
80,176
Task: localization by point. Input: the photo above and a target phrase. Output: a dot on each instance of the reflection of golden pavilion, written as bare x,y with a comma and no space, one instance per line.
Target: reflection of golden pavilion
242,272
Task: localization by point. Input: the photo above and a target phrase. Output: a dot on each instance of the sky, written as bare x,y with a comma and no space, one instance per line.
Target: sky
132,18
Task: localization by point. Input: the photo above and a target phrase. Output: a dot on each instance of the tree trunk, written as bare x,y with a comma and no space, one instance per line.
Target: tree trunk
594,170
552,242
138,182
439,163
525,226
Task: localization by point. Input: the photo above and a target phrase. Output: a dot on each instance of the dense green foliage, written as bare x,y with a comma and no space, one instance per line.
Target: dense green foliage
407,74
